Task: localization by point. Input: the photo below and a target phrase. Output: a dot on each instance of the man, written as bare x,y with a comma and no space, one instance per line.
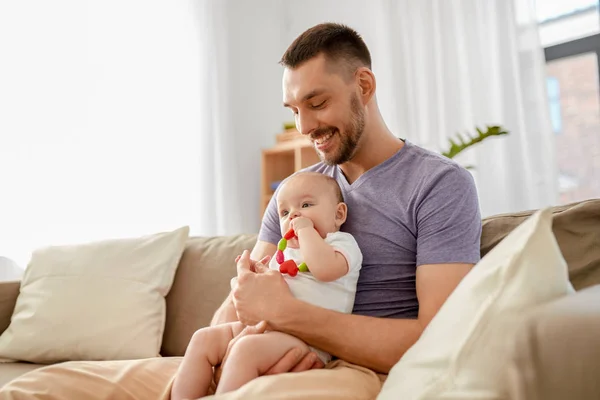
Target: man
415,215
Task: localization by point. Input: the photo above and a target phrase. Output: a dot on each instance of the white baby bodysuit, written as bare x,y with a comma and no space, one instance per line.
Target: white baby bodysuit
337,295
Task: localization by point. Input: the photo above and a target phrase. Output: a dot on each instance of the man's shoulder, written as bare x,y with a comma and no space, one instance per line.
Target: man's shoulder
421,157
413,167
416,174
429,167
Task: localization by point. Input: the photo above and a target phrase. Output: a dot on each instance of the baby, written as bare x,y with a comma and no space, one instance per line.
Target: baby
312,205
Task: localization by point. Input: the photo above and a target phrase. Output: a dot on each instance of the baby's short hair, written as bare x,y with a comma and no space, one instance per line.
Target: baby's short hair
330,181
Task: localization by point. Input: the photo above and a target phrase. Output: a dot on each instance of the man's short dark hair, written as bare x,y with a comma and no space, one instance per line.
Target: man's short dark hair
337,42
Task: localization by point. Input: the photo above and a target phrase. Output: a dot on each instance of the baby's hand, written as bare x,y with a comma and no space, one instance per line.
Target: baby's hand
301,223
264,262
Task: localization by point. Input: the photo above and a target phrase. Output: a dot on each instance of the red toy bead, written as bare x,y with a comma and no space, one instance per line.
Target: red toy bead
279,257
289,234
289,267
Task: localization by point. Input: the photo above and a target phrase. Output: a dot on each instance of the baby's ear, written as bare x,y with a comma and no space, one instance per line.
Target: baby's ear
341,213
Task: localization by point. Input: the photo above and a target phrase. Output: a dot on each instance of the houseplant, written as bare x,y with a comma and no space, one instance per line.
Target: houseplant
460,143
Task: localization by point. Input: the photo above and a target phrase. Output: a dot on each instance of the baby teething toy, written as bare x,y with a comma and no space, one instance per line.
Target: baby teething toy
288,266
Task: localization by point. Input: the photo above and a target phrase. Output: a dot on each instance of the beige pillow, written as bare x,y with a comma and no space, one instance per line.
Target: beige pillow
462,353
96,301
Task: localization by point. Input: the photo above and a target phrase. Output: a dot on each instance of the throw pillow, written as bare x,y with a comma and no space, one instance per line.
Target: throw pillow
462,352
95,301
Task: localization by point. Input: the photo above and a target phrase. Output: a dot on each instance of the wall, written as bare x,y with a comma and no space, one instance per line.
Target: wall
255,47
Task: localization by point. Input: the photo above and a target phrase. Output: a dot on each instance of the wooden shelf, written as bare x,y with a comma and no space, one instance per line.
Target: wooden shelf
281,161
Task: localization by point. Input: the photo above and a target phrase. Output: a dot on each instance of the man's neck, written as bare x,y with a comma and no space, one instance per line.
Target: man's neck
376,146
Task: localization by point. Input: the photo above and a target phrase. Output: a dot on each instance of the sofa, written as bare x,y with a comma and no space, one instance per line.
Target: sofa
556,352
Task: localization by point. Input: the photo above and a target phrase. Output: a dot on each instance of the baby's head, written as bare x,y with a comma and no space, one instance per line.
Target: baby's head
315,196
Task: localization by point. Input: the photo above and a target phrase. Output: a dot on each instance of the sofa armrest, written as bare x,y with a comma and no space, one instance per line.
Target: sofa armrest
556,353
8,297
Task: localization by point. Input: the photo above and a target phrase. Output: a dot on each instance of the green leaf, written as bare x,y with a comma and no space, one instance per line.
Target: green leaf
456,148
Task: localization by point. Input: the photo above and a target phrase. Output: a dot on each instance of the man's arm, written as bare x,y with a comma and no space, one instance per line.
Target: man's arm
226,312
376,343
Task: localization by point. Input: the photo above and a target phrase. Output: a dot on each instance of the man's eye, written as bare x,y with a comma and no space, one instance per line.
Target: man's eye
316,106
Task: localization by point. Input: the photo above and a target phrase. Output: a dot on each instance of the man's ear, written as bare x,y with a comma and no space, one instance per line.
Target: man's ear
366,83
341,213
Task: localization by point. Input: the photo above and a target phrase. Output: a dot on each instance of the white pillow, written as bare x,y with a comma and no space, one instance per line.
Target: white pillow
96,301
462,353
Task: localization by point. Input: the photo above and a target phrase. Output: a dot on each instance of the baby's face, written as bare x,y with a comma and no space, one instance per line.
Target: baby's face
310,197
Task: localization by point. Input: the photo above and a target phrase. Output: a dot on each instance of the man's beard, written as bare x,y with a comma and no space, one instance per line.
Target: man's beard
349,139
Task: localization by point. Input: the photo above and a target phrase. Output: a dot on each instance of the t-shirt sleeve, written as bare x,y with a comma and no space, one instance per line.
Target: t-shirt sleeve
449,219
345,244
269,228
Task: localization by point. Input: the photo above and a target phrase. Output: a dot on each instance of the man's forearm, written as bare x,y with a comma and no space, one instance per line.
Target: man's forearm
225,313
376,343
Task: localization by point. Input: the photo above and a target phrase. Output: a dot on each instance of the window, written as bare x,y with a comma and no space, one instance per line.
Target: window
570,33
562,21
554,100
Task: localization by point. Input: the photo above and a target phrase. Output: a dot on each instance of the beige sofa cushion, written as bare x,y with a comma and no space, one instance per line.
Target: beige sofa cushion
95,301
463,352
576,228
201,284
553,337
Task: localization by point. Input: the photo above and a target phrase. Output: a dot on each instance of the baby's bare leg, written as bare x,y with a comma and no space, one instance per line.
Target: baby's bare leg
252,356
205,350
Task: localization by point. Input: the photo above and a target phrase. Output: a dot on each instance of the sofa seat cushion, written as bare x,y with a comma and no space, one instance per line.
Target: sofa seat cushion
576,227
10,371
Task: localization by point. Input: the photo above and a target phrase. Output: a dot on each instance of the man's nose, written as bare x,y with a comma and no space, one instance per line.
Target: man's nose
306,123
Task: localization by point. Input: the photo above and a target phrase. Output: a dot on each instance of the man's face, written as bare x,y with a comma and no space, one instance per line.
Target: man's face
326,107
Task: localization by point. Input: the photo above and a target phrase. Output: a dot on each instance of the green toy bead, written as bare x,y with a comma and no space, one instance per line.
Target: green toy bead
282,244
302,267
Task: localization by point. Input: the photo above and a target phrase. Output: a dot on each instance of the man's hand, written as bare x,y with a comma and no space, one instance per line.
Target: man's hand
301,223
291,362
259,295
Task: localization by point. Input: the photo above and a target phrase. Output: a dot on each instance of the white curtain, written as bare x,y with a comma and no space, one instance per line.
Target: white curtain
111,122
448,66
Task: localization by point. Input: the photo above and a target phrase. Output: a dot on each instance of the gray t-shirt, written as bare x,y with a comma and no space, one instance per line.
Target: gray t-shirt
415,208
